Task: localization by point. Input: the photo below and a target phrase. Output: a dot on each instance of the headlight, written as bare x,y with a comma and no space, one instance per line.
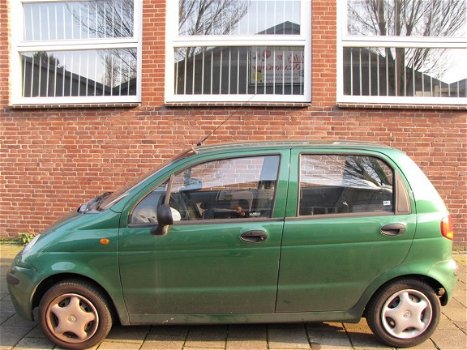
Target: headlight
30,244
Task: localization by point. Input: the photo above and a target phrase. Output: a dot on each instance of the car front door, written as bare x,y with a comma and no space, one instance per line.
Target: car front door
221,255
344,228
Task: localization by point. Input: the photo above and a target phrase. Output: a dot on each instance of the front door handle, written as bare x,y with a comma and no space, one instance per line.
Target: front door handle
254,236
393,229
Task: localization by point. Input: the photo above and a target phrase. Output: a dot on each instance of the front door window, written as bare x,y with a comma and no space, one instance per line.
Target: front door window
236,188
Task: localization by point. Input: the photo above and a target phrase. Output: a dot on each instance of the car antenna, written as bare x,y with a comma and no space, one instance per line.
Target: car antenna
201,142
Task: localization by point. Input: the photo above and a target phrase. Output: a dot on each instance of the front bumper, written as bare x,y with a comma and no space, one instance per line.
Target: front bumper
21,287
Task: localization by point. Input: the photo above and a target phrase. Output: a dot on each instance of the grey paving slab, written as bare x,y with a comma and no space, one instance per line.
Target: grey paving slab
112,345
128,334
247,337
450,339
10,336
288,336
34,343
169,337
328,339
207,337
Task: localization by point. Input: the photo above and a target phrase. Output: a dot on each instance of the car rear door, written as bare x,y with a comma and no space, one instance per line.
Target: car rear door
348,221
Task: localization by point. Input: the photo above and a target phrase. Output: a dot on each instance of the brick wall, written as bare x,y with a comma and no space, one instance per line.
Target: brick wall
52,160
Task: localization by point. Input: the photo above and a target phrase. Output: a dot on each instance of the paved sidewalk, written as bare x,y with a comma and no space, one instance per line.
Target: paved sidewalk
16,333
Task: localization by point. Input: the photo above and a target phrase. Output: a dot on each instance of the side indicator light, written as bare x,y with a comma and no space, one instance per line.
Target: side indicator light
104,241
446,228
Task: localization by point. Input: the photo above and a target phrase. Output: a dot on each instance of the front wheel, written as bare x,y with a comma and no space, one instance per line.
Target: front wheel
74,315
404,313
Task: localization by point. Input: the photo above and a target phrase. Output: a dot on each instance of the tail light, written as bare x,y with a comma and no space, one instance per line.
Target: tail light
446,228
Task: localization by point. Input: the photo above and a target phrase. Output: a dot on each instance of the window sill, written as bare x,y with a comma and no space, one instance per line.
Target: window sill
360,105
239,104
75,105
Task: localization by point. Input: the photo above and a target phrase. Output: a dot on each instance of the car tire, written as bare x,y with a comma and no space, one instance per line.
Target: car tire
404,313
74,315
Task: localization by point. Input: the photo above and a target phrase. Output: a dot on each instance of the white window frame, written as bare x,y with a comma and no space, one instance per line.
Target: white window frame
345,40
18,45
173,41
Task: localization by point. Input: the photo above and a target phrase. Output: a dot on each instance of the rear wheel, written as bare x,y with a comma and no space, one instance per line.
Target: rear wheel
404,313
74,315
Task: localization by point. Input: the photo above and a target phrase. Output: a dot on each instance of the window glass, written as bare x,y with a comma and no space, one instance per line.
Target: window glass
76,52
222,189
332,184
239,17
145,211
407,18
239,50
63,20
406,72
417,52
79,73
239,70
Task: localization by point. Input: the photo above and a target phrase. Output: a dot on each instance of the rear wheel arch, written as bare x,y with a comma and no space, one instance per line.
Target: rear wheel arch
433,283
405,311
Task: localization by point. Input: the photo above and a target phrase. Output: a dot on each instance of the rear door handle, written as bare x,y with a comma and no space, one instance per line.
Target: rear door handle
254,236
393,229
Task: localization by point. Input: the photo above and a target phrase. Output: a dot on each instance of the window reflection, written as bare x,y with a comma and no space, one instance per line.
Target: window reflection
239,70
239,17
78,20
110,72
407,18
414,72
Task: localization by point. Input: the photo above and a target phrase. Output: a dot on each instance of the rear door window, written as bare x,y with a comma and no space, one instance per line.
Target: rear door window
337,184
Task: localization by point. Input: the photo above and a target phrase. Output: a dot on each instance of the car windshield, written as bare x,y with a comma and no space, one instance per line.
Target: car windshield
121,193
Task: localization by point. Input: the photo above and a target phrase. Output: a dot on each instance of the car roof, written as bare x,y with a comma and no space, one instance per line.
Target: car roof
263,145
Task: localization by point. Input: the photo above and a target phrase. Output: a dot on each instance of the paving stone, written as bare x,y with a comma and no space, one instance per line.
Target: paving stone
446,323
36,332
460,294
426,345
462,326
452,340
362,337
198,348
110,345
455,311
5,316
249,337
325,326
206,337
34,343
287,336
10,336
128,333
166,337
162,344
325,339
17,321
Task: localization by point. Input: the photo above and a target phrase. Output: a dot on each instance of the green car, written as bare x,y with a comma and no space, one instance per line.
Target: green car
245,233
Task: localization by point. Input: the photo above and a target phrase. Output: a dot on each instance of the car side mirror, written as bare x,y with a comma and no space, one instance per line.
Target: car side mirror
164,220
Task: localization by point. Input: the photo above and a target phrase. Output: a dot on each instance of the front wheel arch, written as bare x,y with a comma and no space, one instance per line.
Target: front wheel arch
46,284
